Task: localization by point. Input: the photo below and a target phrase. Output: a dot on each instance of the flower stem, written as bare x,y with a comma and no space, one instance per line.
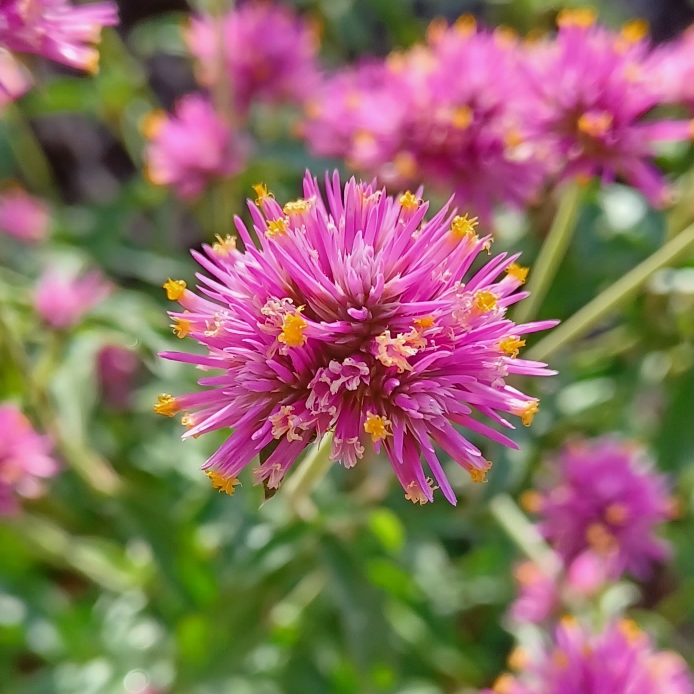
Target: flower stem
310,472
525,534
552,253
613,297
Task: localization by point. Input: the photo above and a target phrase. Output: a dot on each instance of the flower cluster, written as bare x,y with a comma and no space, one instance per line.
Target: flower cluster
620,660
23,216
187,149
56,29
607,500
353,317
262,49
494,118
24,459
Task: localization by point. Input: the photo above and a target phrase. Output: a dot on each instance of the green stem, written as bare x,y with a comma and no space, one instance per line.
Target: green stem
525,534
551,254
613,297
312,469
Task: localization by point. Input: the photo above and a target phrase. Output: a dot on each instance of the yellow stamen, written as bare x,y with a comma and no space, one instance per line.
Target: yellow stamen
436,29
511,345
188,423
182,327
262,192
531,501
506,37
277,227
463,227
415,493
363,138
462,117
424,323
224,484
616,513
630,630
293,326
152,123
409,201
503,684
377,426
568,621
513,138
634,31
561,660
296,207
224,246
583,17
518,659
480,476
595,124
405,164
485,300
466,24
518,272
92,63
166,405
175,289
528,414
600,538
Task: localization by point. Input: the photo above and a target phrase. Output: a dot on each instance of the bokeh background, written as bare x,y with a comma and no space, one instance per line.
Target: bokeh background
132,573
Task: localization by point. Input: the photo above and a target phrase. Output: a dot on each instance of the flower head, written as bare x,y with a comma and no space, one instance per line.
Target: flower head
24,459
189,148
23,216
56,29
591,92
619,660
61,300
269,53
356,320
607,499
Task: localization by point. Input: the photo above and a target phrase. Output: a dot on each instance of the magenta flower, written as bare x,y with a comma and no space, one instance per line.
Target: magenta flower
23,216
620,660
24,459
61,301
56,29
609,500
353,317
538,595
189,148
592,95
670,71
14,78
268,52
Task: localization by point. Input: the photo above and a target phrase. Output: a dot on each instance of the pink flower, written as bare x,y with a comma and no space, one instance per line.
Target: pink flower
670,70
24,459
117,368
592,94
14,78
56,29
538,597
189,148
619,660
608,499
269,53
353,317
62,301
23,216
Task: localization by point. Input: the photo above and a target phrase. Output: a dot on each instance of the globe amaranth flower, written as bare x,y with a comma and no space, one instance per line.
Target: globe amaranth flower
62,300
607,500
267,52
189,148
56,29
592,93
352,317
25,459
620,660
451,112
23,216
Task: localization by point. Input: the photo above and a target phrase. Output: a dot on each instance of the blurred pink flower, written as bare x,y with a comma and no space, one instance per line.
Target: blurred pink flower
354,316
269,53
608,499
187,149
592,94
24,459
538,597
670,70
56,29
619,660
14,78
117,367
62,301
23,216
